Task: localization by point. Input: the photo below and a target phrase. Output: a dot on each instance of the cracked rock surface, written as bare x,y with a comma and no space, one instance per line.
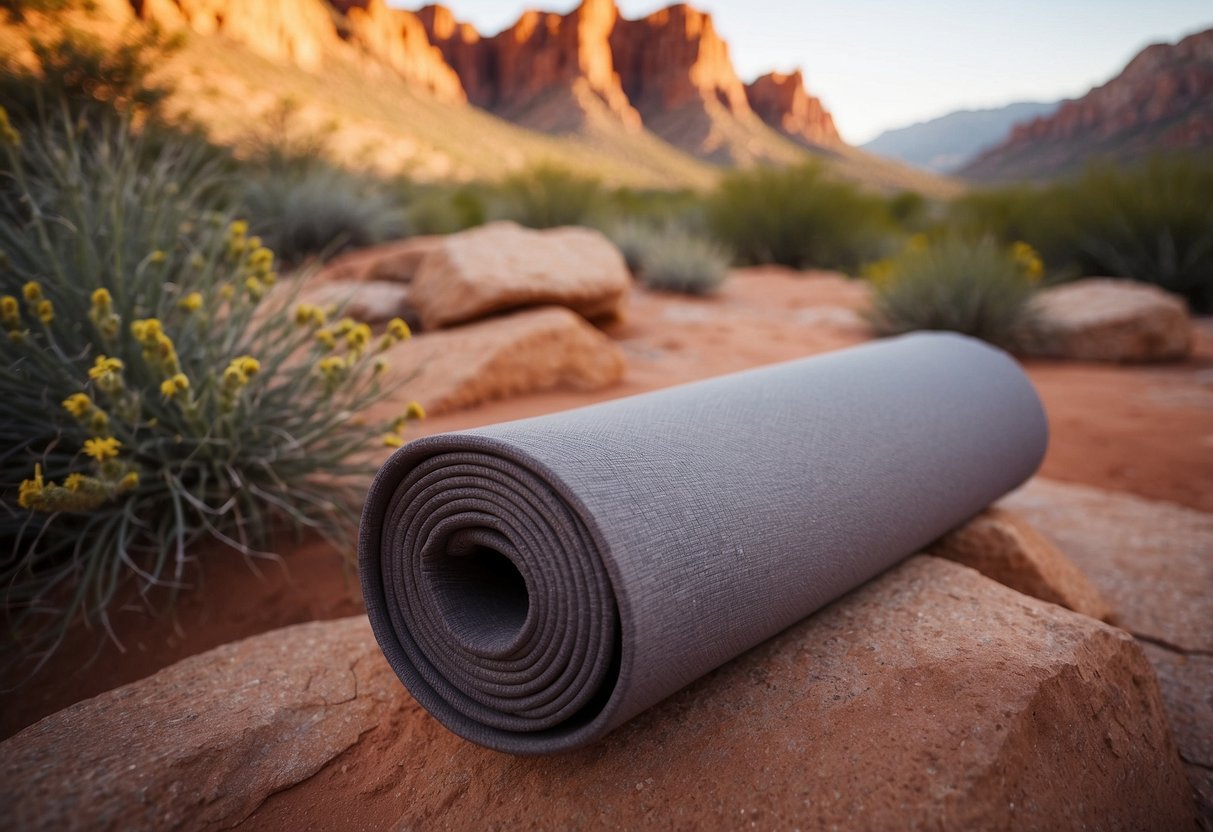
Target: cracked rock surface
1153,561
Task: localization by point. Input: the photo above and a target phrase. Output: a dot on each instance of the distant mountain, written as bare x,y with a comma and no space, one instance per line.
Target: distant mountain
1161,101
652,102
947,143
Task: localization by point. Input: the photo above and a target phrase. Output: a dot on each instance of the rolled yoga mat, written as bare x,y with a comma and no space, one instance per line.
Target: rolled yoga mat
537,583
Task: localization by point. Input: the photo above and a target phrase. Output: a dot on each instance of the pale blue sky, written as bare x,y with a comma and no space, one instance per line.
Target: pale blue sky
882,63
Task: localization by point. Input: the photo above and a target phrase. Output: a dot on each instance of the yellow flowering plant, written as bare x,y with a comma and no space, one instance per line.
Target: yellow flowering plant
976,287
157,385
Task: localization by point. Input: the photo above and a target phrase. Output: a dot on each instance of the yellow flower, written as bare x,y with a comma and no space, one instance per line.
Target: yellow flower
197,261
181,382
380,366
147,330
331,368
74,481
168,389
99,422
31,490
227,291
1028,260
254,287
191,302
262,259
358,337
392,440
78,404
102,299
238,228
104,366
17,336
248,365
157,257
10,311
343,326
129,481
32,291
398,329
45,311
414,411
326,338
8,133
102,449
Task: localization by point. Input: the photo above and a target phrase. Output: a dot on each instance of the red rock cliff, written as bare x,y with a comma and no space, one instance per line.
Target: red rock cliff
306,32
782,102
674,57
1163,99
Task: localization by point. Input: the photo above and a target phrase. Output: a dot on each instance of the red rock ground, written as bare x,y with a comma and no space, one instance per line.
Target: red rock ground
1144,430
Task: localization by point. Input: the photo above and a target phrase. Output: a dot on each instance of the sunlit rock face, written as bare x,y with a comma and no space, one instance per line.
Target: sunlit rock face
782,101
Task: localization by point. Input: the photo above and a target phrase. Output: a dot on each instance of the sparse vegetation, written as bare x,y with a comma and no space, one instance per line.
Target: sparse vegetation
141,408
320,212
546,196
1153,223
977,288
676,260
799,218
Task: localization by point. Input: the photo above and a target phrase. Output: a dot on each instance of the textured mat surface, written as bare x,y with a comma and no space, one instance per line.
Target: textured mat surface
537,583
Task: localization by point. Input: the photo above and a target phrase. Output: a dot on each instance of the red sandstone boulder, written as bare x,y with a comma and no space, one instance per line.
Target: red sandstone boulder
930,698
396,261
525,352
1004,547
1102,319
504,266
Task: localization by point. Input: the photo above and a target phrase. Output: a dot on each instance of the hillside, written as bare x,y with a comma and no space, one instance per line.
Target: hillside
1161,101
947,143
653,102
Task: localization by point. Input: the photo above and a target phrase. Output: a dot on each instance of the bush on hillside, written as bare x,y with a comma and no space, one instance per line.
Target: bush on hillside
547,196
977,288
797,217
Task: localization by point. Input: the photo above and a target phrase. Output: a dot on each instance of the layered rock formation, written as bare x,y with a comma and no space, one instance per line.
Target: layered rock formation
305,32
1163,99
586,72
783,102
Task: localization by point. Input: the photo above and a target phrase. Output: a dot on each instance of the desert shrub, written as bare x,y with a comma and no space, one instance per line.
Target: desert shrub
1153,223
153,391
978,288
676,260
797,217
320,212
634,239
444,210
546,196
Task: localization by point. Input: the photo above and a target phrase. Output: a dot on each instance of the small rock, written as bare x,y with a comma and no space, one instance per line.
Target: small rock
1102,319
397,261
504,266
370,301
524,352
1004,547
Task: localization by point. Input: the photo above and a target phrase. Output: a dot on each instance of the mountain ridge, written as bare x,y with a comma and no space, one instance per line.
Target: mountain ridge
1161,101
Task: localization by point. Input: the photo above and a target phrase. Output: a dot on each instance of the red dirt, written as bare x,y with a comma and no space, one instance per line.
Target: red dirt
1145,430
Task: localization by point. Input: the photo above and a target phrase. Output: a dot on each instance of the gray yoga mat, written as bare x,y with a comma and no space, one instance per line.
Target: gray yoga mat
537,583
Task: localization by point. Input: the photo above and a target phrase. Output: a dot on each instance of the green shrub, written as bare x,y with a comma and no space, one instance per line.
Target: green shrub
976,288
679,261
153,391
319,213
797,217
1152,223
547,196
634,239
444,210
